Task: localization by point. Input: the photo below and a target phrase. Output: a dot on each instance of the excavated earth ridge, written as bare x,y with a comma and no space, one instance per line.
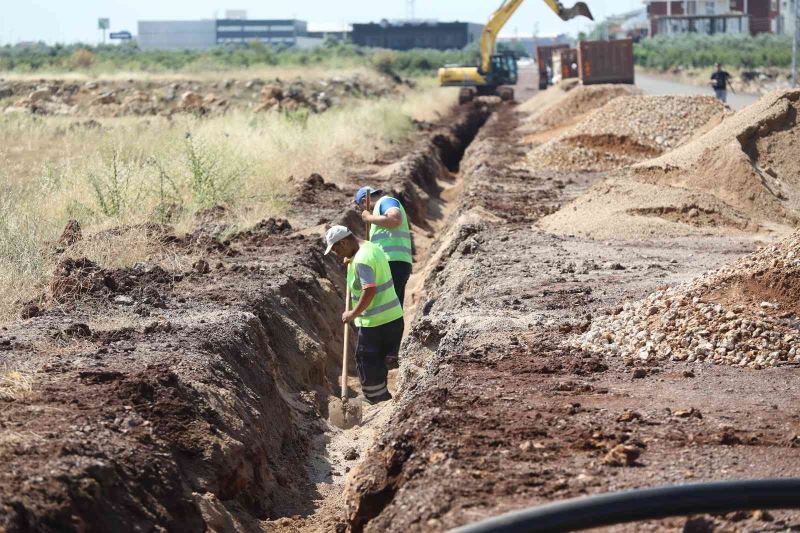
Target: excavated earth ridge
187,401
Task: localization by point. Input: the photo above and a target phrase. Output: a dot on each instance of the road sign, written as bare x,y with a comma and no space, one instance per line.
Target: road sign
120,35
103,24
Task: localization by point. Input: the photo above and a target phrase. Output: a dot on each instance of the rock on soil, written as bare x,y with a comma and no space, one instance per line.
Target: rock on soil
744,315
114,98
627,130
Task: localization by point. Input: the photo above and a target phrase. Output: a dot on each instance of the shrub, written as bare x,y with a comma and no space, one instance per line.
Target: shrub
694,50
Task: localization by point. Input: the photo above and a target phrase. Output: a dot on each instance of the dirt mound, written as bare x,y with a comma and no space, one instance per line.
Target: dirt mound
749,160
620,208
743,315
627,130
113,98
567,103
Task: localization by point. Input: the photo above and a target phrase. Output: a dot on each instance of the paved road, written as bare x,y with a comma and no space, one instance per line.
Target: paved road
653,85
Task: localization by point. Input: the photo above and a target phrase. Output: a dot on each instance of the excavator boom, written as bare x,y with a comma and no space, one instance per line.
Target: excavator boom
497,71
506,10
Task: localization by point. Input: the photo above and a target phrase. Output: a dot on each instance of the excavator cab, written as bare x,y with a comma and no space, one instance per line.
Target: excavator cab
504,69
496,72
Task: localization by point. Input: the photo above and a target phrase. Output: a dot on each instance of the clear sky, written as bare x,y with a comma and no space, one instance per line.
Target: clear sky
76,20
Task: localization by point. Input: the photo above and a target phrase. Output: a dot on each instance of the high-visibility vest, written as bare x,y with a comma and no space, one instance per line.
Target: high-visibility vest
385,307
396,242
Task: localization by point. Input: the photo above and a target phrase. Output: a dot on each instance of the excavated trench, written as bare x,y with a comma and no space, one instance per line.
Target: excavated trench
203,404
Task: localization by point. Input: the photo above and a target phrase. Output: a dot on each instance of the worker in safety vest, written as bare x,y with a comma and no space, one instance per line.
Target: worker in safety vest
390,230
375,309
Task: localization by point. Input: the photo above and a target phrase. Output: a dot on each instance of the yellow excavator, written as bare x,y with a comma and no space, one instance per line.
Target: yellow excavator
497,71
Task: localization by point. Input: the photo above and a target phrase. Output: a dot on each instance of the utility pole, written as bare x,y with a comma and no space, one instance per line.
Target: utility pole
410,10
796,27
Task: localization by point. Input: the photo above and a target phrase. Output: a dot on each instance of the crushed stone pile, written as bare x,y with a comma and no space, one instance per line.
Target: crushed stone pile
627,130
750,160
740,173
743,315
113,98
568,102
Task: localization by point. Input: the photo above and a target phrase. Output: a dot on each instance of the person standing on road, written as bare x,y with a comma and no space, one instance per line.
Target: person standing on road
375,309
389,229
720,80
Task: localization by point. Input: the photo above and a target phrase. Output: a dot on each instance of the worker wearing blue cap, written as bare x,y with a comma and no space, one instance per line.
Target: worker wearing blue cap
389,229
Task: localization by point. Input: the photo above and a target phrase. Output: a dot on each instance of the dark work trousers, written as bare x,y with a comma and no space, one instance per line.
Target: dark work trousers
374,344
401,271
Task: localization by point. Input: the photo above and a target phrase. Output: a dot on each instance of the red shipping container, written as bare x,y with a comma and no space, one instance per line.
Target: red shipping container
569,64
606,61
544,59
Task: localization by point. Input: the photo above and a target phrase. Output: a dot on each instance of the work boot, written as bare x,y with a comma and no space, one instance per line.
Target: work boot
380,399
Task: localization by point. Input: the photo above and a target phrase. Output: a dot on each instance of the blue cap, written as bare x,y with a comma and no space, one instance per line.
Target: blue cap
364,191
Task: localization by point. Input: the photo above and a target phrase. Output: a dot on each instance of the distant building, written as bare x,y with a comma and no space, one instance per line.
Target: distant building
529,43
339,32
712,16
203,34
631,25
405,35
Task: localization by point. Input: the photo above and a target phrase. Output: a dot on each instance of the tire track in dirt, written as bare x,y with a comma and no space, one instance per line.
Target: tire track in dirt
498,413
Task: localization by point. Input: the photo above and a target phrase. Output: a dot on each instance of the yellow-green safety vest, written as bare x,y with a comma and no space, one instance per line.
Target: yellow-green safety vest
385,307
396,242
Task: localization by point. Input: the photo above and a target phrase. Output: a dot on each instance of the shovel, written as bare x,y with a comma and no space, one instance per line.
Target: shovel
345,412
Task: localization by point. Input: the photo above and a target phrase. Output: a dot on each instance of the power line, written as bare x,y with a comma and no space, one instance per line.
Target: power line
410,9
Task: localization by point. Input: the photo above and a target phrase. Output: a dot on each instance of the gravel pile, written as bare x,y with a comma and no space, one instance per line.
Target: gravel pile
743,315
627,130
567,102
749,160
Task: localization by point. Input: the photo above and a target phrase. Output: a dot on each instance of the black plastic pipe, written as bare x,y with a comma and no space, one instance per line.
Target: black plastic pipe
646,504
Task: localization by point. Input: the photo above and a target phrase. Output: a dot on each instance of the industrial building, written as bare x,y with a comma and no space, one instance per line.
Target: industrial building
405,35
712,16
202,34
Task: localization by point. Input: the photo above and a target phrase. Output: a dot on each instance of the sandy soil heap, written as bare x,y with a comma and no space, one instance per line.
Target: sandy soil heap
567,102
111,98
744,315
749,161
627,130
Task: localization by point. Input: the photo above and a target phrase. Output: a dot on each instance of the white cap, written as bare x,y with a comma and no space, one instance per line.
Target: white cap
334,235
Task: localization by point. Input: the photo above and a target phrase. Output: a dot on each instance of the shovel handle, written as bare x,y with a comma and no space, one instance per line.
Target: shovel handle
345,347
366,235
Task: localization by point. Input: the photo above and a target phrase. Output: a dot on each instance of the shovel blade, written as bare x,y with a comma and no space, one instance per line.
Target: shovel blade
345,414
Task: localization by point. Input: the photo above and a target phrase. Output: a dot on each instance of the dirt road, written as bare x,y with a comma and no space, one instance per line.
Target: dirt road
659,86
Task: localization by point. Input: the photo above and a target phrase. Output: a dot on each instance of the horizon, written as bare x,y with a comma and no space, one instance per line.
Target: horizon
55,22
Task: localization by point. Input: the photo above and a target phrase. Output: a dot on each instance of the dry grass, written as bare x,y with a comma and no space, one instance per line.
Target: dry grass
135,170
15,384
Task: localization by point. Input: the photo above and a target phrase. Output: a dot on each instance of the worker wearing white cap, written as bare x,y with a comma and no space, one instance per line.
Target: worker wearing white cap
375,308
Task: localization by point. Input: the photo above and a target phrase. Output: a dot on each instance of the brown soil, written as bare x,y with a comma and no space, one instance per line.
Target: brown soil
195,400
192,400
497,411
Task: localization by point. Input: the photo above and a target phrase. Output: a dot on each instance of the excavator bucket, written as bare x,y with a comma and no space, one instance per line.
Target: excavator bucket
580,9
